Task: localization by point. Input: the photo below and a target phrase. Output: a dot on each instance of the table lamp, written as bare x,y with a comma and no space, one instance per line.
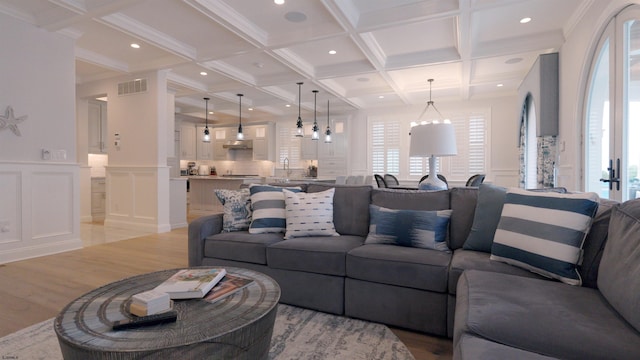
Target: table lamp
430,140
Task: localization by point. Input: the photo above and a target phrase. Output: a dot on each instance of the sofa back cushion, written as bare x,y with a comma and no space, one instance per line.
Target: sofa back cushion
463,204
619,273
595,242
486,218
350,207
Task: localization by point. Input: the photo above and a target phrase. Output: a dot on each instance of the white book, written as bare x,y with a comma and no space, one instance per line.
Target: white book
191,283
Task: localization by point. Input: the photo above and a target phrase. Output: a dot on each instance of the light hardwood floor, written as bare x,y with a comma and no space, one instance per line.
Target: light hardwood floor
37,289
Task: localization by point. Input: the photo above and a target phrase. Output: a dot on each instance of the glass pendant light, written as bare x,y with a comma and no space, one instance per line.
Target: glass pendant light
240,135
316,129
327,133
206,137
299,128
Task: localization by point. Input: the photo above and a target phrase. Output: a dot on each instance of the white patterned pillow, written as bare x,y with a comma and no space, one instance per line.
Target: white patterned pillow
309,214
267,203
544,232
237,209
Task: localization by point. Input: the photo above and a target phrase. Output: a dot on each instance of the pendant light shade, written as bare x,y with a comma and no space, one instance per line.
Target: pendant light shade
316,129
240,135
206,137
327,133
299,128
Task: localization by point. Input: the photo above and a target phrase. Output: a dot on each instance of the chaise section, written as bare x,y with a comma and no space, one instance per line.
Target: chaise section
472,347
540,316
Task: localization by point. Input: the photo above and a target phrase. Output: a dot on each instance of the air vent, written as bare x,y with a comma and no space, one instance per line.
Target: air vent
132,87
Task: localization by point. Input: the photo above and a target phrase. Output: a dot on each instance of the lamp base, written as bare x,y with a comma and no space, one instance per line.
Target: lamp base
432,182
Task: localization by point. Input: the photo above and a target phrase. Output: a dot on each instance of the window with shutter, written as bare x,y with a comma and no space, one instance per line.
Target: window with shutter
289,146
390,144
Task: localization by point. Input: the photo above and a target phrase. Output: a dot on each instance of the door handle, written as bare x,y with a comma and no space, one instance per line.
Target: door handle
612,175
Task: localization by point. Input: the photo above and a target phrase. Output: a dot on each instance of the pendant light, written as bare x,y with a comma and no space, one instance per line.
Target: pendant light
316,129
327,133
240,135
206,137
299,128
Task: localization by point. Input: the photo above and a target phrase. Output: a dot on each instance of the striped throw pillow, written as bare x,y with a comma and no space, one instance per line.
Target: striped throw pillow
309,214
267,203
544,232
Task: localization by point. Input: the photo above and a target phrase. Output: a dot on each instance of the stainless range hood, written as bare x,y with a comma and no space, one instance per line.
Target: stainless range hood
238,144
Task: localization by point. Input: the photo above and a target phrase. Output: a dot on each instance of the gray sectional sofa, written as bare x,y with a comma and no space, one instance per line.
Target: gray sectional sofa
461,294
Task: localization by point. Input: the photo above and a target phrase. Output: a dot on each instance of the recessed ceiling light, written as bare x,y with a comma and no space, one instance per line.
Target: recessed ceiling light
278,2
381,97
288,105
250,109
525,20
203,73
210,112
135,46
513,60
500,85
295,16
332,52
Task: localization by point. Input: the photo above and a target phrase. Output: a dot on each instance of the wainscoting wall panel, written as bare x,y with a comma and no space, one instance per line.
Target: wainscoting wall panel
138,198
40,209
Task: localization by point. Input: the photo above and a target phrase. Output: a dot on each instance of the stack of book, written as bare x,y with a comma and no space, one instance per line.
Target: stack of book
191,283
149,303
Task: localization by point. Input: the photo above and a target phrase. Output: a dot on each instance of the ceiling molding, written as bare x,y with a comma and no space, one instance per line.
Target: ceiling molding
101,60
231,71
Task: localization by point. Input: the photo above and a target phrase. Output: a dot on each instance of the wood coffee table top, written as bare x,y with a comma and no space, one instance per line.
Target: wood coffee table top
84,326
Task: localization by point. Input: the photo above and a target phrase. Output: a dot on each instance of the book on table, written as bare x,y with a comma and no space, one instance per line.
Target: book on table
227,286
149,303
191,283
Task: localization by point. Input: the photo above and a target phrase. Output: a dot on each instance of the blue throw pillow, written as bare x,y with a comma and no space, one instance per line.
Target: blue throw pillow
237,209
268,206
414,228
486,218
544,232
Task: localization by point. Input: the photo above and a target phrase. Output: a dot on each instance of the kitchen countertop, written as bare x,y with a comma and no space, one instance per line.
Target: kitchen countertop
210,177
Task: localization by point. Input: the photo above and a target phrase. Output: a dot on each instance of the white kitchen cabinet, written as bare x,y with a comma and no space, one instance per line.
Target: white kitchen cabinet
188,142
332,157
98,198
263,142
308,148
97,125
219,137
204,150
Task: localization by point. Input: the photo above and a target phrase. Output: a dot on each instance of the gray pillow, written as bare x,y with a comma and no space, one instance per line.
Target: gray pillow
486,218
619,273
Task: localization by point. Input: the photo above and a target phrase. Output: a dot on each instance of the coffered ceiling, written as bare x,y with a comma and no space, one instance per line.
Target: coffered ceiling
385,50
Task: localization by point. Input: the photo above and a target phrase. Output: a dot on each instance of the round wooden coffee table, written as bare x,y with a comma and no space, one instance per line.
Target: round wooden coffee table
236,327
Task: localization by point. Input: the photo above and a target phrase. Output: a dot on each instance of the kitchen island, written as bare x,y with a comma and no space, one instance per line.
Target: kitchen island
202,199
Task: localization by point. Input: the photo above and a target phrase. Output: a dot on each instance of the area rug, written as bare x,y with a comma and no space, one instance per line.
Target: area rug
297,334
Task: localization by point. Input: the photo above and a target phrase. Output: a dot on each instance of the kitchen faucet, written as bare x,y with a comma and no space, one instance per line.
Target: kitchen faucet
285,166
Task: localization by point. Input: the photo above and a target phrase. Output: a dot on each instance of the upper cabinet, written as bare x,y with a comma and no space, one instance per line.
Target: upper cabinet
263,142
219,137
97,127
188,142
204,150
332,157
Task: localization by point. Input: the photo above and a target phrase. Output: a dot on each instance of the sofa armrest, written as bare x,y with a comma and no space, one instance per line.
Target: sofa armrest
199,229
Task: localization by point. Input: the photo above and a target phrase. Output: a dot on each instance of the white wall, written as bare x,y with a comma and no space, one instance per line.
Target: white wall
39,199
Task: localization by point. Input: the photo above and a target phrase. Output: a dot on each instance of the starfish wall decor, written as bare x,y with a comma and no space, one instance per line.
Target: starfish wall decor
11,122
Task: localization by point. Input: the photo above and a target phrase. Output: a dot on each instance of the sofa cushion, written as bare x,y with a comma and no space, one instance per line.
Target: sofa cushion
237,209
473,347
595,243
320,255
463,203
350,207
240,246
413,228
544,232
486,218
619,277
477,260
309,214
268,206
411,199
541,316
417,268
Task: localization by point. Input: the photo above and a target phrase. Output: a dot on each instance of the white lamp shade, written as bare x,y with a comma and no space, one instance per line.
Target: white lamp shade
438,139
